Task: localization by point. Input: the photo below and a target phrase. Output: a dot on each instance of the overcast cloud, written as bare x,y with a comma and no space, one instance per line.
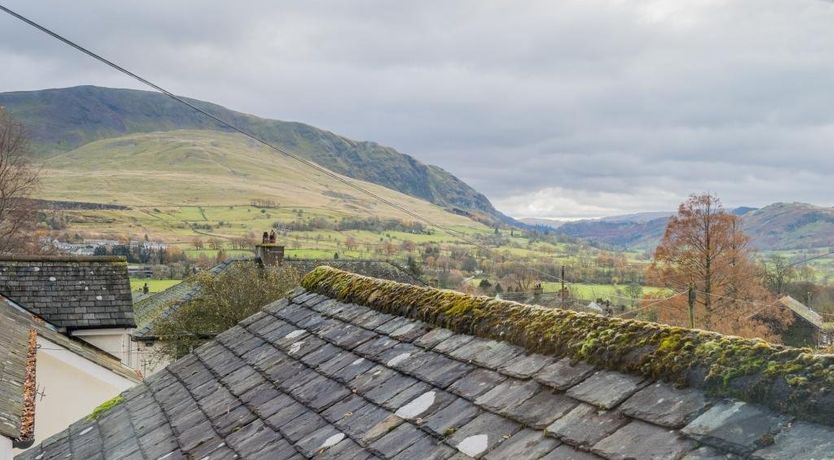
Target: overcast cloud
552,109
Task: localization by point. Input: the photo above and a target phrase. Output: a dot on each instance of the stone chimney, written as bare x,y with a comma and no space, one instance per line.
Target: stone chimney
270,254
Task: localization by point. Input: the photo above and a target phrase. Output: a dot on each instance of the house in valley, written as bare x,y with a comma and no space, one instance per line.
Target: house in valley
809,329
352,367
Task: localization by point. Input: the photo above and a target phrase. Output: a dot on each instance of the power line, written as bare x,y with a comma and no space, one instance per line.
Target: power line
237,129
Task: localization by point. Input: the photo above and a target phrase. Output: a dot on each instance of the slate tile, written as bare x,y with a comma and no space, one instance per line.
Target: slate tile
286,415
472,348
321,394
643,440
736,427
433,337
800,440
362,420
301,376
379,430
475,383
482,434
347,336
445,421
565,452
301,426
508,395
344,408
372,319
439,370
426,448
267,402
424,405
398,354
526,443
585,426
397,440
664,405
452,343
323,354
345,449
542,409
409,332
371,349
370,379
395,323
354,369
524,367
320,440
406,395
498,355
389,388
708,453
233,420
606,389
562,375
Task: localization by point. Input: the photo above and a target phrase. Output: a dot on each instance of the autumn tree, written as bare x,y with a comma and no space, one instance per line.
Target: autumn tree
705,248
18,180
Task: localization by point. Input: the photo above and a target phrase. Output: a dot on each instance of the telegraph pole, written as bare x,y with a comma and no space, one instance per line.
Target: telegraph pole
691,307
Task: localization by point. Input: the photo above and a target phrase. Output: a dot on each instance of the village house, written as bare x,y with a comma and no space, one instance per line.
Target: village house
351,367
85,297
66,379
809,329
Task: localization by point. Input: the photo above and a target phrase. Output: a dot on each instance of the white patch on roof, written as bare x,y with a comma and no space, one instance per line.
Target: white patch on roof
166,455
474,445
37,269
98,297
295,333
332,441
86,430
358,361
416,407
295,347
398,359
52,278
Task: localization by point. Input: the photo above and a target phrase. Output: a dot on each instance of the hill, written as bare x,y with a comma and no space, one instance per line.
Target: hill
778,226
61,120
191,167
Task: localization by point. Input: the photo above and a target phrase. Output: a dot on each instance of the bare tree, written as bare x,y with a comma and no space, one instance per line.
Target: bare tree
18,180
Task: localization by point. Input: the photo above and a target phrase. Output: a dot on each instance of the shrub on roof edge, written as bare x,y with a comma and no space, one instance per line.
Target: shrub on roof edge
791,380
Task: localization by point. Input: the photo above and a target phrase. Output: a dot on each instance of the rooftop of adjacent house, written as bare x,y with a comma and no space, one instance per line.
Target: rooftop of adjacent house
70,292
16,369
355,367
802,310
165,303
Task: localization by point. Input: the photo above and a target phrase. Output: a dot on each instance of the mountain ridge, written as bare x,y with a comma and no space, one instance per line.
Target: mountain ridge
778,225
63,119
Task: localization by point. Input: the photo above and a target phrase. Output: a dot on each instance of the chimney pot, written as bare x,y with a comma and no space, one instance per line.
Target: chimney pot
270,255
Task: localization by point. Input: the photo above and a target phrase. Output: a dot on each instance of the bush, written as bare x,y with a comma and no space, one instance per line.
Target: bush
223,301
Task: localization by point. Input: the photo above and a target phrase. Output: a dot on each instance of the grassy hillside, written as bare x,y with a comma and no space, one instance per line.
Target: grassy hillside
64,119
209,168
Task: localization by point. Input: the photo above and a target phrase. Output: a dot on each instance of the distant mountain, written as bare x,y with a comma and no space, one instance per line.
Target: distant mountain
61,120
776,226
552,223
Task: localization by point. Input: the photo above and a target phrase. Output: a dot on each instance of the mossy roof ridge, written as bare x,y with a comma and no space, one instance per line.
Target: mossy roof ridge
791,380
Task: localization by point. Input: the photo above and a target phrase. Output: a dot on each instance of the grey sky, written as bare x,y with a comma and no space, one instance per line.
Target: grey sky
552,109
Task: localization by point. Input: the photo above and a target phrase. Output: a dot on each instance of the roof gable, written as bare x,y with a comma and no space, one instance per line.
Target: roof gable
17,348
315,376
70,292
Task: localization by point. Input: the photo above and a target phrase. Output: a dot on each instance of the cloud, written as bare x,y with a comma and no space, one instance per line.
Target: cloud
553,109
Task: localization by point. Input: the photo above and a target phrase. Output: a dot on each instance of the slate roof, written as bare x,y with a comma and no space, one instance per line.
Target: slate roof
165,303
312,376
14,351
802,310
70,292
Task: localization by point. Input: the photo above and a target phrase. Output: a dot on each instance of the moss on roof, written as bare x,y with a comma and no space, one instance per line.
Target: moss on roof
791,380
